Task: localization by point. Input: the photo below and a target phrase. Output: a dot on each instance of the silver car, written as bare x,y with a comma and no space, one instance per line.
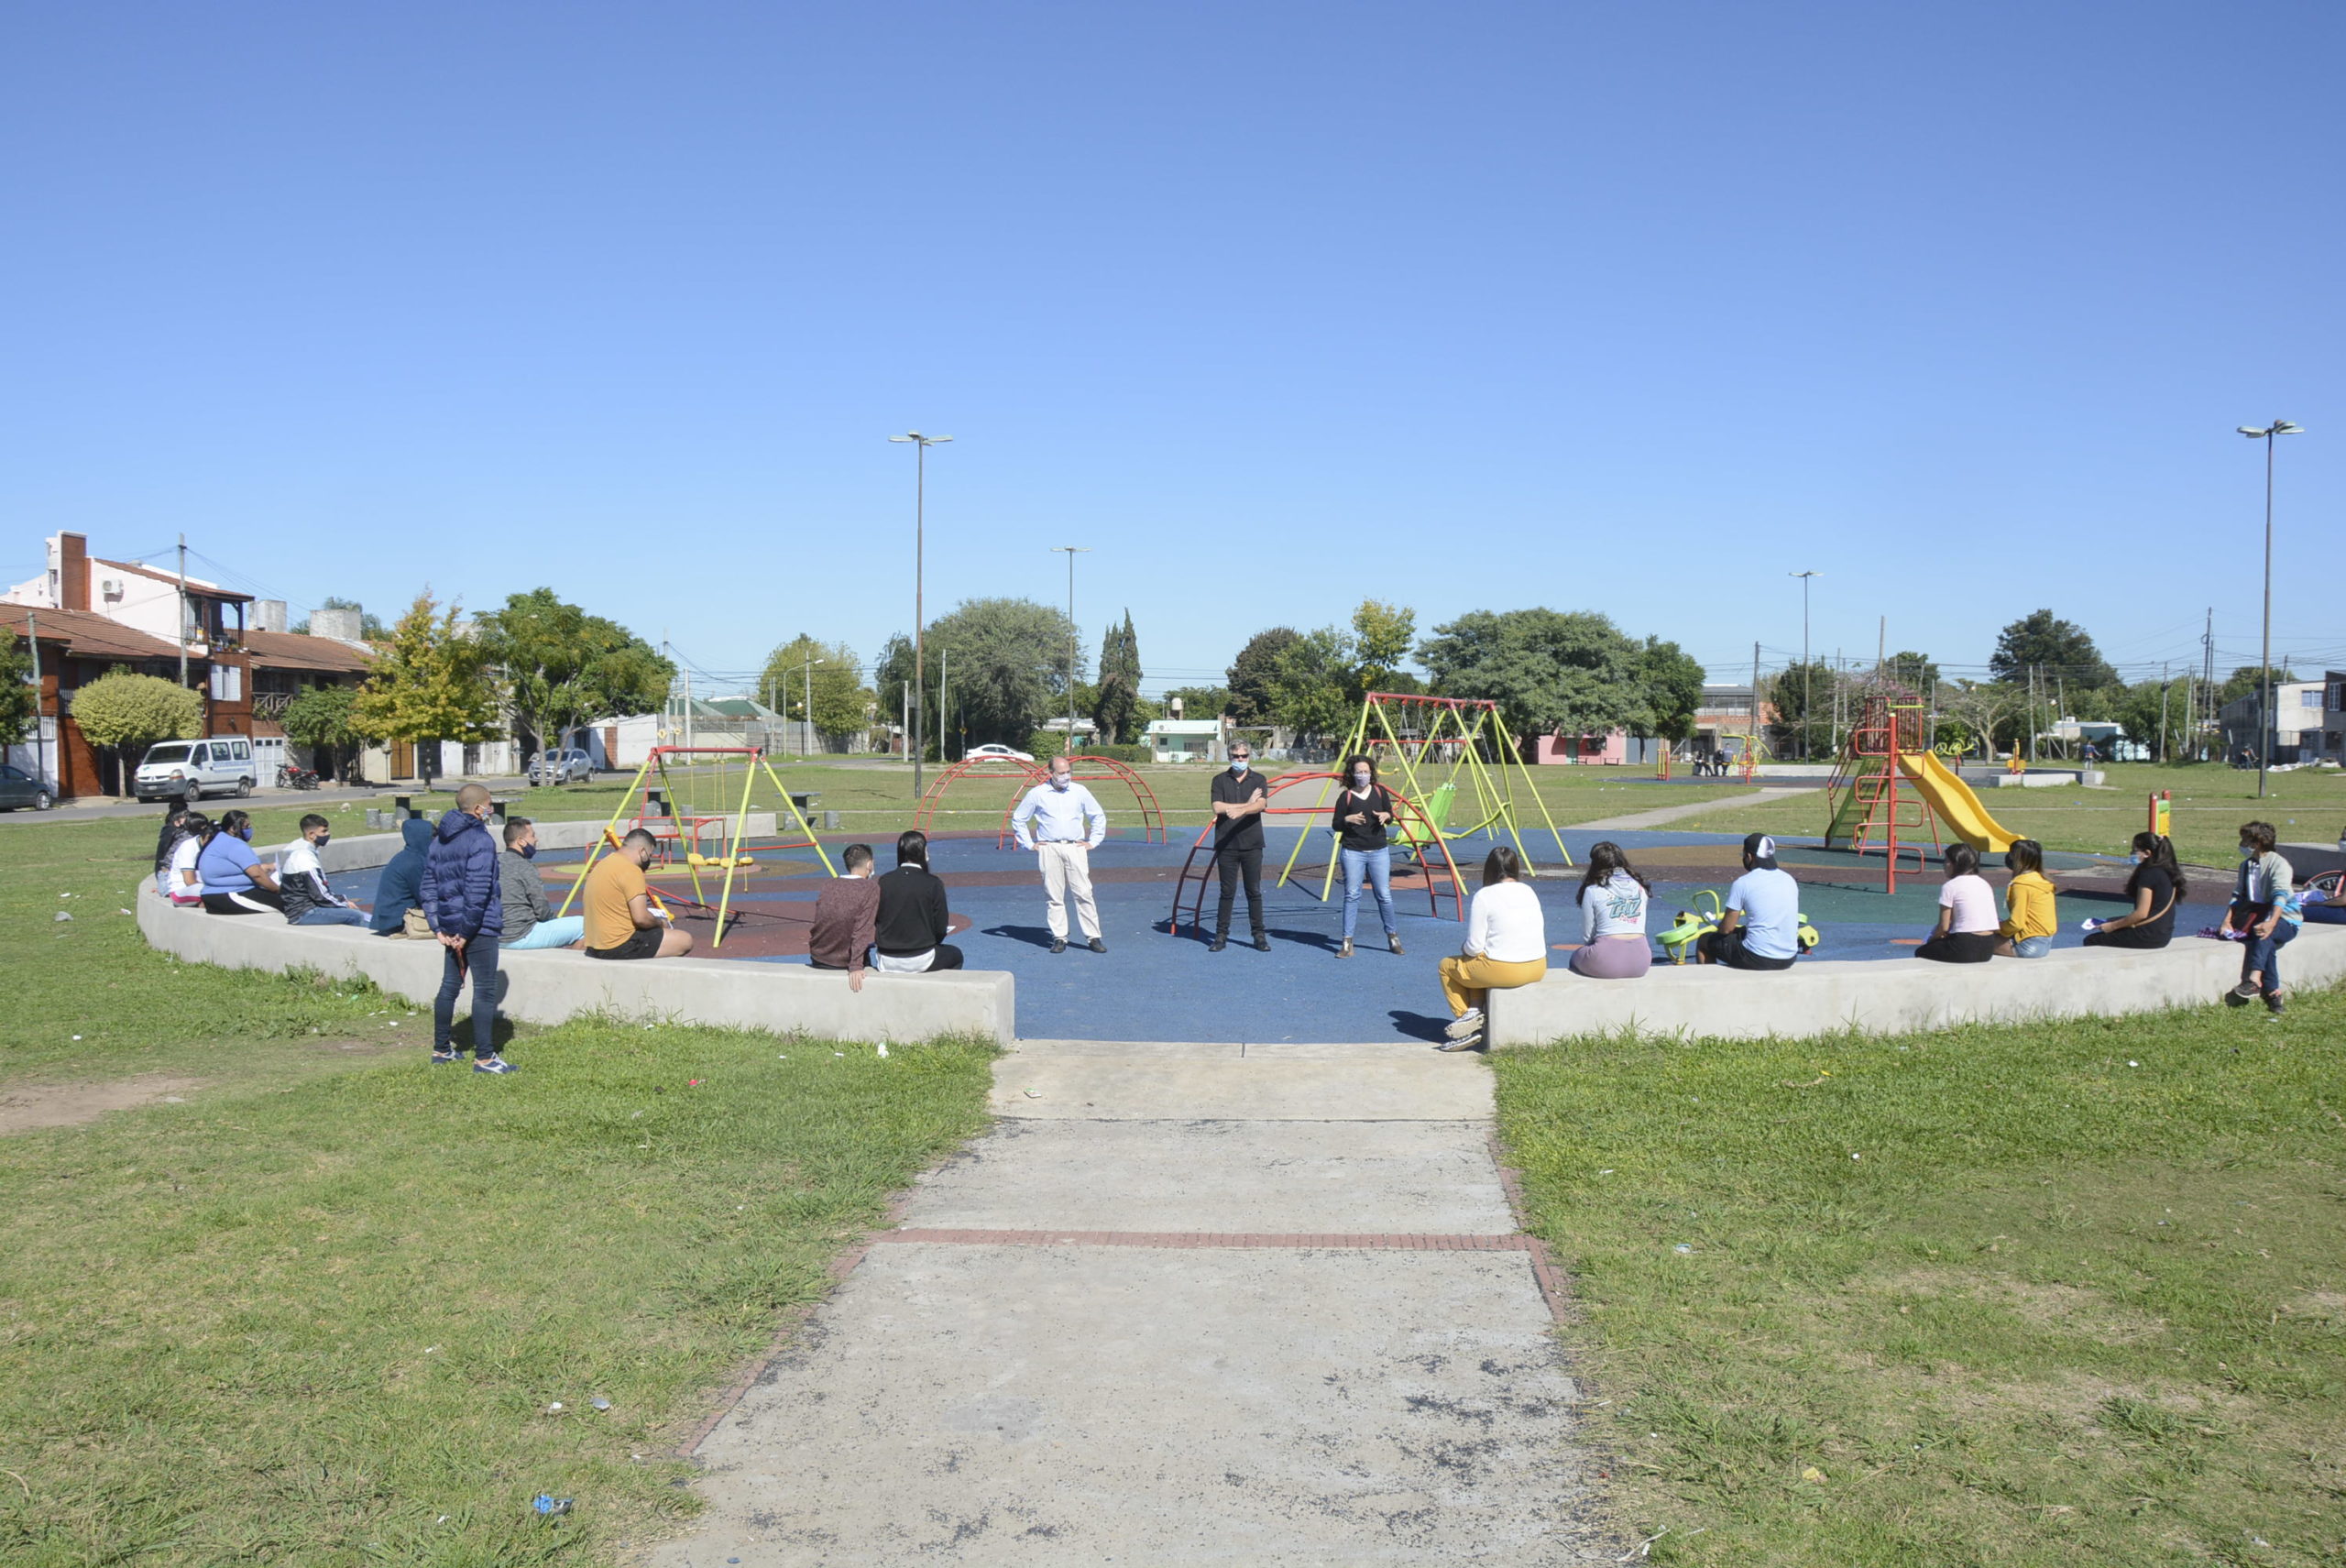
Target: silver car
572,766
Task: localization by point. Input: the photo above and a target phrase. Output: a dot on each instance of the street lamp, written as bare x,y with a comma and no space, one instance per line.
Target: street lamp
2265,706
1074,638
921,444
1804,578
806,732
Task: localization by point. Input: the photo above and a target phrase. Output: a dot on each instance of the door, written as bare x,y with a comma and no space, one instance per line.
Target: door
403,758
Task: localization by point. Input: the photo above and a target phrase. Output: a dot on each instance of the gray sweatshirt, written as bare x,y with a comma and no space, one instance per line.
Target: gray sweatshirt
524,895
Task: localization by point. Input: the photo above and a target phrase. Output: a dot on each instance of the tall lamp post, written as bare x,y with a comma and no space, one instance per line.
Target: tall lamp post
2264,705
806,732
1804,578
921,444
1074,638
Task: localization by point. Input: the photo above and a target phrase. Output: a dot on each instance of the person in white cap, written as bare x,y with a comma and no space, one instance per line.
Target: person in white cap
1761,927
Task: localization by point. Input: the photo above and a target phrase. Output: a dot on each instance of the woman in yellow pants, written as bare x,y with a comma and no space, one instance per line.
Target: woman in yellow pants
1507,946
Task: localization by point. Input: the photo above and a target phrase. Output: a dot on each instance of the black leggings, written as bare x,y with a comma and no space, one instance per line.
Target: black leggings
1959,948
2129,936
254,901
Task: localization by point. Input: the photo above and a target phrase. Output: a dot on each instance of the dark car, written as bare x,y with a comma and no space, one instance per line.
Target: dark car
19,789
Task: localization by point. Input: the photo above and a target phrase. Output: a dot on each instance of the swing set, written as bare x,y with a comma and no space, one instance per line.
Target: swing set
1425,736
713,832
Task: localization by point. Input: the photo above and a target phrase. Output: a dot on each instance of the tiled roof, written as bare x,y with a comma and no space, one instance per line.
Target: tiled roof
195,584
286,651
86,636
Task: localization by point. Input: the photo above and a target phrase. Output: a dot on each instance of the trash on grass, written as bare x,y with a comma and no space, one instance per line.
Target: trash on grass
599,1402
1810,1472
1682,1246
1034,1095
883,1048
549,1505
62,916
553,1407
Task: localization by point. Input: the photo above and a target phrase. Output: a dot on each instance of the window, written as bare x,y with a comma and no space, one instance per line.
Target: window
200,757
2309,699
227,683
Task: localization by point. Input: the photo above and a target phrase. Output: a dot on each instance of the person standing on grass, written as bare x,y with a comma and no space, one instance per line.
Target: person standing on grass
1760,928
462,903
1613,900
1363,813
1968,930
2030,920
301,881
2264,907
234,880
909,932
847,912
1239,795
529,920
1062,824
1507,946
2155,884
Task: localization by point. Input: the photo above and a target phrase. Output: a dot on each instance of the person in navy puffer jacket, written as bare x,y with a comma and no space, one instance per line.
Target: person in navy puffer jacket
461,901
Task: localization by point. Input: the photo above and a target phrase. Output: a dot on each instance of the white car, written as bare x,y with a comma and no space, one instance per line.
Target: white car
976,753
562,767
222,765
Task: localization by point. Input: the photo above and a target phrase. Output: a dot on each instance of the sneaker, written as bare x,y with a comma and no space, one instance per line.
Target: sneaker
1462,1043
1469,1023
1393,945
441,1058
1220,941
493,1064
1097,946
2240,996
1346,951
1262,944
1058,944
2274,1005
2247,991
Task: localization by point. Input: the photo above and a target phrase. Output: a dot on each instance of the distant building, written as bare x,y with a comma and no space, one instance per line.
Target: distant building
1186,740
2299,726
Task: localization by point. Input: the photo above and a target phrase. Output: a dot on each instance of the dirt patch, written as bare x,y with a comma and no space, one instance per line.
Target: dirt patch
34,1106
2066,1309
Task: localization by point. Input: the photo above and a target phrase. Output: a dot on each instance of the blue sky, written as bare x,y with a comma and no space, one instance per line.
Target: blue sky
1633,309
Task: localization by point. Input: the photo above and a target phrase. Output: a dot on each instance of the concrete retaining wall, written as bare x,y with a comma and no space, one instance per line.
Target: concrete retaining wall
549,987
1892,997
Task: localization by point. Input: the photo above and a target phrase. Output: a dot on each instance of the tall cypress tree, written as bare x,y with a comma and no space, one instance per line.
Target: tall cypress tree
1118,695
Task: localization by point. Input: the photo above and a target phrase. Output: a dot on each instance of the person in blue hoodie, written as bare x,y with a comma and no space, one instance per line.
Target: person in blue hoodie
466,913
400,886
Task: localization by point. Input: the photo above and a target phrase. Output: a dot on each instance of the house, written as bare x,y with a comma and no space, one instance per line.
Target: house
2334,717
1186,740
2299,720
1723,719
73,648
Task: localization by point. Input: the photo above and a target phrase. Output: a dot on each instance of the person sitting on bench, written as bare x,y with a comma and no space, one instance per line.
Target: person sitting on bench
909,931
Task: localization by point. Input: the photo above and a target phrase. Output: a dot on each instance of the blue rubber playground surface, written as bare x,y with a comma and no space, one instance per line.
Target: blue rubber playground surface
1153,984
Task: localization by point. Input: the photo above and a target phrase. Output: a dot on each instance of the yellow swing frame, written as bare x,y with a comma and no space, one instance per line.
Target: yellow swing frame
1493,796
734,859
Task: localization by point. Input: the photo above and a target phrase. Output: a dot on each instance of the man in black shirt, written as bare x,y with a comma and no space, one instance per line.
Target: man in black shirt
1239,796
913,919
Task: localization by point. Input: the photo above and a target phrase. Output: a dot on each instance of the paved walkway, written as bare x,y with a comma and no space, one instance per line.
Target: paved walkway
1640,820
1183,1304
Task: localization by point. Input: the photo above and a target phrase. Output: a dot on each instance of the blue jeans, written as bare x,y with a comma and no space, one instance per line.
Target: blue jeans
1376,866
2264,954
334,917
478,958
558,932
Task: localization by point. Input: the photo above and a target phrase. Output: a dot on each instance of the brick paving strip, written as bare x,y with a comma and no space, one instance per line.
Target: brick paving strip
1210,1304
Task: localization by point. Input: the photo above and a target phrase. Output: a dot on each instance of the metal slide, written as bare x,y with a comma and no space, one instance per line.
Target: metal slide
1946,792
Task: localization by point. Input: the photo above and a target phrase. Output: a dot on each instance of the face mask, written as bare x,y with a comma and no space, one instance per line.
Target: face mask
1061,781
529,851
1360,781
321,840
246,833
1238,764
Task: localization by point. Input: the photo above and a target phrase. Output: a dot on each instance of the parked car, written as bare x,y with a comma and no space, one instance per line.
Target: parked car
572,766
975,752
19,789
222,765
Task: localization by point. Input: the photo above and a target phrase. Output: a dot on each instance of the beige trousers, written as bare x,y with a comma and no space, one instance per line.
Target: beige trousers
1465,982
1067,876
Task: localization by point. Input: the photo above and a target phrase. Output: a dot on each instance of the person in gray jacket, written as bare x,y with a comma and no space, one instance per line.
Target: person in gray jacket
530,919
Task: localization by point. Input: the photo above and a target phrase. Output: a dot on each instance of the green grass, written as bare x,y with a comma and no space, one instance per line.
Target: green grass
2053,1295
2210,805
317,1317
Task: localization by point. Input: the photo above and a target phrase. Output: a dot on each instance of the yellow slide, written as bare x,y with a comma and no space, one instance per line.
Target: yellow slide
1943,791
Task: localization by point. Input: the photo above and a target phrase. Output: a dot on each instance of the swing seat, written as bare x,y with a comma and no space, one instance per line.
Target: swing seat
720,862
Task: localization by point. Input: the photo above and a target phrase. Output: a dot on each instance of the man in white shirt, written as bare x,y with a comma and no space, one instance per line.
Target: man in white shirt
1062,824
1760,928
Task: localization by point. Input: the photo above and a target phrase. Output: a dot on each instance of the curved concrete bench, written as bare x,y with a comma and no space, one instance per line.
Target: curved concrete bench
1890,996
551,986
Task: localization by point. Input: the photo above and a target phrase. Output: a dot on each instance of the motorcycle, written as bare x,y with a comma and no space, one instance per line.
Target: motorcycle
289,776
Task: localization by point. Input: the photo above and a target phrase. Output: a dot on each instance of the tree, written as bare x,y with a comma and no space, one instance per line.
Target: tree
320,718
2249,681
1117,699
2156,713
1801,695
2055,648
431,683
19,699
370,625
1918,673
1550,672
1381,637
1313,688
1672,679
842,706
1990,713
1198,702
1250,676
562,667
1009,674
120,712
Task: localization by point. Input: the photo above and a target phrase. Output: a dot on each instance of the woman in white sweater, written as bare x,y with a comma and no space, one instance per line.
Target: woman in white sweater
1507,946
1613,905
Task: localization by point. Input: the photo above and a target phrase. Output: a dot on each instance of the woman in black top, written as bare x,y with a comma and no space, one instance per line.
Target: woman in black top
2155,886
1363,810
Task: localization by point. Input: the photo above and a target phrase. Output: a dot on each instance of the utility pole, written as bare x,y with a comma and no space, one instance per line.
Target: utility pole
1807,707
807,730
2208,673
2163,750
944,708
184,629
921,444
1751,745
1074,637
2264,672
40,746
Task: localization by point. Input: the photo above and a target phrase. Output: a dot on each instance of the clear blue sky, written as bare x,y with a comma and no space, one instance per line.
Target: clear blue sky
1628,308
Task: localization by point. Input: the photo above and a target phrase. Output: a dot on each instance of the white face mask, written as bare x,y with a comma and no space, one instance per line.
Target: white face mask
1360,781
1240,764
1061,781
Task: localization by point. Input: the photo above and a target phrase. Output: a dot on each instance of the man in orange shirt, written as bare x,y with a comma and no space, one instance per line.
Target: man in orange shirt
619,921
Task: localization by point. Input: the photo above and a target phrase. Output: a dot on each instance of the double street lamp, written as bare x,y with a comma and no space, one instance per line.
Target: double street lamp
1074,638
915,742
2265,706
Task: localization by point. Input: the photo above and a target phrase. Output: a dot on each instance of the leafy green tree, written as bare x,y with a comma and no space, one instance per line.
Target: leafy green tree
1250,674
20,699
1117,698
2156,713
320,718
2054,647
120,713
842,705
1313,687
1550,672
370,625
1009,666
2248,680
1672,679
431,683
1198,702
1803,698
1382,634
562,667
1918,673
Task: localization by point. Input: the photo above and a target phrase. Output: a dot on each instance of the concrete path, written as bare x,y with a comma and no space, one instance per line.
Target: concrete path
1183,1304
1638,820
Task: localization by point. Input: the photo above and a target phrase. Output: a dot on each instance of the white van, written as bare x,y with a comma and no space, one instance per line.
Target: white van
222,765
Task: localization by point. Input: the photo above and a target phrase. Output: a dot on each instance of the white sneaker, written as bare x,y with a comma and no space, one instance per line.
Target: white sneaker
1469,1023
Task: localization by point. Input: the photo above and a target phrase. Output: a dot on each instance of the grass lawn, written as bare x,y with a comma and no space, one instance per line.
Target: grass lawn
317,1312
2210,805
2057,1295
